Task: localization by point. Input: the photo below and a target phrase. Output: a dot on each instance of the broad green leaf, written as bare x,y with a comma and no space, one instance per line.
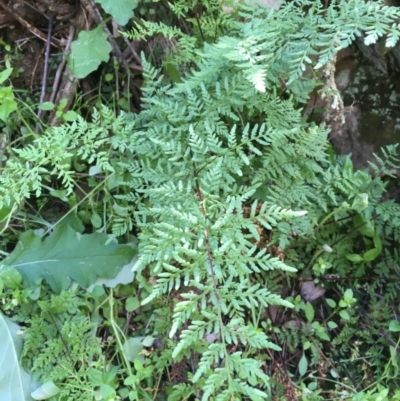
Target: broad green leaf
377,242
372,254
5,213
93,170
394,325
14,381
303,365
309,309
121,10
131,304
173,73
5,74
70,116
60,194
353,257
7,102
45,391
331,302
148,341
312,386
124,276
107,392
96,220
65,256
132,349
366,227
46,106
393,356
88,51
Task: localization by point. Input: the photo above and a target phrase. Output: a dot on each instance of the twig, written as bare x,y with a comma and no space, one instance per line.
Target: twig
45,70
28,26
46,61
62,64
132,50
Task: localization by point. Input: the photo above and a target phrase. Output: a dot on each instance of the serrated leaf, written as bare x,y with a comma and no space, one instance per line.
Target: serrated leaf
88,51
121,10
14,381
65,256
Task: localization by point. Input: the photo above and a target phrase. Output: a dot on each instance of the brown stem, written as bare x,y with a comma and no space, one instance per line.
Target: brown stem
29,27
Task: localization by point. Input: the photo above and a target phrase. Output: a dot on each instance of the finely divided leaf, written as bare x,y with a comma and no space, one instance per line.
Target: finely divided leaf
67,255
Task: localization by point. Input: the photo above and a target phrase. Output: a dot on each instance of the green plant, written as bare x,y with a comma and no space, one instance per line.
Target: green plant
234,196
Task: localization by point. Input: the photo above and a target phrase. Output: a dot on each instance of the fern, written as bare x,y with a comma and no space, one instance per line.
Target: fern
217,162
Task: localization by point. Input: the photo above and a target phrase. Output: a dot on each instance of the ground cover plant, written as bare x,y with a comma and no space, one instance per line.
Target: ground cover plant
210,246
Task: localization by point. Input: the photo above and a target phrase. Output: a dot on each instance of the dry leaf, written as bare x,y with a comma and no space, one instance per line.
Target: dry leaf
309,291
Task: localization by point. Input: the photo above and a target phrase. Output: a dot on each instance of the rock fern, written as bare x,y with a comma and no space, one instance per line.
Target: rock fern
214,161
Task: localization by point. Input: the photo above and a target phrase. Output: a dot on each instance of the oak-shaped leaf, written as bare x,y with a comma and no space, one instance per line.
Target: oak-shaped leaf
67,255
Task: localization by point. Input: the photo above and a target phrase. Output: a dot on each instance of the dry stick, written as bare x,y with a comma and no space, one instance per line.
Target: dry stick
62,64
34,70
132,49
29,27
45,70
45,73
